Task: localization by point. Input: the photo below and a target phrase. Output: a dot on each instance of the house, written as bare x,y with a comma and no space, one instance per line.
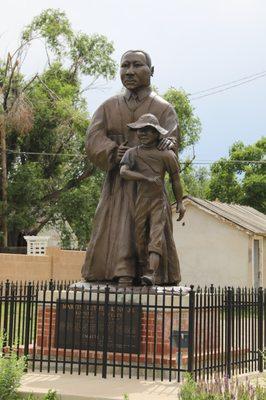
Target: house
221,244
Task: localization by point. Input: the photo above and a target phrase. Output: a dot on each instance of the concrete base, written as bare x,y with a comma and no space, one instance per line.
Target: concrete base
80,387
87,286
75,387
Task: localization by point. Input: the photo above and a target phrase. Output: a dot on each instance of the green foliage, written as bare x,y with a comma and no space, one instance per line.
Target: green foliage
196,181
189,123
241,182
220,389
26,189
91,54
78,207
12,369
188,389
52,25
51,395
52,184
11,372
88,54
224,184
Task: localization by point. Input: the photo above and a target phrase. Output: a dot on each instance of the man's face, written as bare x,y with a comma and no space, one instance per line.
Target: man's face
134,71
148,136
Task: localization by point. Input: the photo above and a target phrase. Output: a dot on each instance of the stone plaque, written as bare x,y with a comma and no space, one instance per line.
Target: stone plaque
89,325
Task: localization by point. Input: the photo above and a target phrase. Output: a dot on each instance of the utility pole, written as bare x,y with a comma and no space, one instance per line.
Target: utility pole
4,180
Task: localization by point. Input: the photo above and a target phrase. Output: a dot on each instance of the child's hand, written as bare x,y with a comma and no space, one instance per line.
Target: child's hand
180,209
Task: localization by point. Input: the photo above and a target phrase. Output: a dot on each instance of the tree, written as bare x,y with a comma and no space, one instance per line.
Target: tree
189,131
15,115
189,123
46,161
49,177
196,181
241,178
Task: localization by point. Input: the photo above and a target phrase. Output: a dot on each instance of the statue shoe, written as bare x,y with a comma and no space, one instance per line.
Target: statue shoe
125,281
148,280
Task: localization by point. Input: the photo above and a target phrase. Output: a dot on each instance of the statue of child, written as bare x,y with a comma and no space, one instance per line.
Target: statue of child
147,165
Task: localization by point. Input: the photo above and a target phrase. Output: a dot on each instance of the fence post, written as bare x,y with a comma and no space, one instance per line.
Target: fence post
105,332
5,322
27,319
11,334
228,331
191,326
260,329
51,284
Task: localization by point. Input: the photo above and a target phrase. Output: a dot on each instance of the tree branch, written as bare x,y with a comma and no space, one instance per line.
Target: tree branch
8,59
9,85
70,185
38,226
23,44
53,94
188,162
30,82
47,54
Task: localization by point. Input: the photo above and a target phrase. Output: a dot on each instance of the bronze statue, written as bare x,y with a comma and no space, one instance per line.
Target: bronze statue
147,165
111,253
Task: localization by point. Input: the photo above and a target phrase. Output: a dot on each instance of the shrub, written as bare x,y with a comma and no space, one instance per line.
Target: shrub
51,395
220,389
11,372
12,369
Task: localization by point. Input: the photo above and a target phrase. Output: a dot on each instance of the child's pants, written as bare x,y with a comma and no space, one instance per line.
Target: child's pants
149,223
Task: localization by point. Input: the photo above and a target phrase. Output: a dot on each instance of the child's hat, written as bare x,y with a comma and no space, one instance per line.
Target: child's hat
148,120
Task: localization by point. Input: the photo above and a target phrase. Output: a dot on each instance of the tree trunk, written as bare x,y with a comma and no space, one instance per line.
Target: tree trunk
4,180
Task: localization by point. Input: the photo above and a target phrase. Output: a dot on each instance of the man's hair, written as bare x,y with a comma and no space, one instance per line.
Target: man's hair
147,56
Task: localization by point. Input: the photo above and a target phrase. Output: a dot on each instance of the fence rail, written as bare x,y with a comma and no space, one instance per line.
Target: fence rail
151,333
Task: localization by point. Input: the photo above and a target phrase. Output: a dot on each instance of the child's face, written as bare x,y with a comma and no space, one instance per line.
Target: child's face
148,135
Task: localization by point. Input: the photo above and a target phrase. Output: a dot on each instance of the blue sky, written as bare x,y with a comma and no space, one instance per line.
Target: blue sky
193,44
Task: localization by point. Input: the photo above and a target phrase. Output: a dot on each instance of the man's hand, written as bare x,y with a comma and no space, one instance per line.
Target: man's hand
180,209
165,143
120,152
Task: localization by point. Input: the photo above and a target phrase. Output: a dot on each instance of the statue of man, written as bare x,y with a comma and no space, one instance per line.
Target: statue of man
111,253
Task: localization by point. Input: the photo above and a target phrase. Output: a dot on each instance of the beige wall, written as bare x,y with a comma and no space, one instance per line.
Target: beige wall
66,264
57,264
211,251
264,262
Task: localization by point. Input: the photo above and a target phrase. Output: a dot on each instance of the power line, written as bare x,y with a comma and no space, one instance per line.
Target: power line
226,162
229,83
228,88
43,153
199,162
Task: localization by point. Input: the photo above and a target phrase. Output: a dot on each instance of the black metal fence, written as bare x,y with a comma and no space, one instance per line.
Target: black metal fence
150,333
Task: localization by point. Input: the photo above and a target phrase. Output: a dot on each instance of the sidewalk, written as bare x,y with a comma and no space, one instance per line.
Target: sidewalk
78,387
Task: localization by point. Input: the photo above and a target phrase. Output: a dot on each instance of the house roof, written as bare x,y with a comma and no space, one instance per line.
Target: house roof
243,216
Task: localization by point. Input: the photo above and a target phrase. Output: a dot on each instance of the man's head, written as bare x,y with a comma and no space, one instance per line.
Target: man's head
136,69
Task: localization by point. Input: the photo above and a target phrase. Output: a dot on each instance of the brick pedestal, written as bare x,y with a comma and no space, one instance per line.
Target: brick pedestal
156,334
